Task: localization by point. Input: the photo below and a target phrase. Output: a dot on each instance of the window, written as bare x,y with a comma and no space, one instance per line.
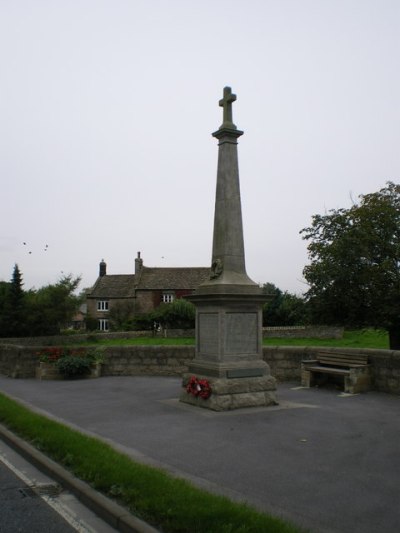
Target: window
103,324
102,305
167,298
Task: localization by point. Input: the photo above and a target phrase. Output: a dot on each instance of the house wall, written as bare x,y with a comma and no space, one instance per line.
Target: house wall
144,301
148,300
285,362
92,306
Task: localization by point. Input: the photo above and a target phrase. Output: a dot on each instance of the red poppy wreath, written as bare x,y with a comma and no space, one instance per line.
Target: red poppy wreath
199,387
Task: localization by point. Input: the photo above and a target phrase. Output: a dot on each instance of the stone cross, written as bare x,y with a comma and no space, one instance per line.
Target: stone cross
226,103
229,349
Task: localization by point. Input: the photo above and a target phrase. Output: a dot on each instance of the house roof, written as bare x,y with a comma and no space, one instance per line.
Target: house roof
172,278
114,286
124,285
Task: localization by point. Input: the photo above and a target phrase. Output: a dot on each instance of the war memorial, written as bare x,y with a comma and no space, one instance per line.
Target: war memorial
228,361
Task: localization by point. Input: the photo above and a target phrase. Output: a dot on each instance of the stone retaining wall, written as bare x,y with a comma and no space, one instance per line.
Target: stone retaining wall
147,360
20,362
304,332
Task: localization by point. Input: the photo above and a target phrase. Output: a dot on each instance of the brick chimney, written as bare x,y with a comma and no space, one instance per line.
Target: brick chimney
102,268
138,264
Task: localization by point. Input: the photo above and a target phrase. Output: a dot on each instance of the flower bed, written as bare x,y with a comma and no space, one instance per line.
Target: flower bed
61,363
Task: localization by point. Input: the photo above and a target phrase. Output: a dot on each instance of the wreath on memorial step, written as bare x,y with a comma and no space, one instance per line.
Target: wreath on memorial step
199,387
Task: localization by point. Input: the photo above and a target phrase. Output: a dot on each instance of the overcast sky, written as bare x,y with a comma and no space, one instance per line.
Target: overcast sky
107,109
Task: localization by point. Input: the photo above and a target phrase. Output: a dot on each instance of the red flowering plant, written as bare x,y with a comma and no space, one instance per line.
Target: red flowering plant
71,362
50,355
199,387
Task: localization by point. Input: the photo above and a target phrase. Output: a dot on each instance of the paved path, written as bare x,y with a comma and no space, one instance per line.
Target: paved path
326,461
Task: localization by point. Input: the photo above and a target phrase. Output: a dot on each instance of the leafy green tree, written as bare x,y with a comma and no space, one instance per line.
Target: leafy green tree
354,274
270,309
283,308
178,314
52,307
121,316
293,310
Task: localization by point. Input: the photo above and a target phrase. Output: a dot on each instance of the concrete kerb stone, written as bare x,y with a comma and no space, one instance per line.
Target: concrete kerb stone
111,512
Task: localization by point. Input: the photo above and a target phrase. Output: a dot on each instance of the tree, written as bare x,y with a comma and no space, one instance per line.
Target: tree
41,312
270,309
121,316
179,314
354,274
51,307
284,308
3,295
13,309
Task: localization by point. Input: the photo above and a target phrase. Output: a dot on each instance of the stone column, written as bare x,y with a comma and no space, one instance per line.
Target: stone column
229,305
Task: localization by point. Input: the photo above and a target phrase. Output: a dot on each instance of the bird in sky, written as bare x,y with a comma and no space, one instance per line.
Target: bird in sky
46,247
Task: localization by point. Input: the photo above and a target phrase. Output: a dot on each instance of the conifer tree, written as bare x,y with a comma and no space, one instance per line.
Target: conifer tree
14,315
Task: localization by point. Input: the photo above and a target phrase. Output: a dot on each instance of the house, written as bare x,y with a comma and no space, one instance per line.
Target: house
78,320
141,292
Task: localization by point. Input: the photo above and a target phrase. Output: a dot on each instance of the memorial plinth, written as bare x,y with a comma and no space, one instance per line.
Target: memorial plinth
229,305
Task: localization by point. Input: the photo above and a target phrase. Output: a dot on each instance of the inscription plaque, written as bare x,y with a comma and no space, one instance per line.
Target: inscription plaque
208,333
241,333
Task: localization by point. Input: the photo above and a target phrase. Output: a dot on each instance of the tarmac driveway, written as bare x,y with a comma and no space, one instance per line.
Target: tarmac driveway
327,461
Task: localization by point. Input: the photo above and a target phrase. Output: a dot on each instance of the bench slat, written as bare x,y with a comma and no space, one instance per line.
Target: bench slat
342,360
340,363
328,370
359,358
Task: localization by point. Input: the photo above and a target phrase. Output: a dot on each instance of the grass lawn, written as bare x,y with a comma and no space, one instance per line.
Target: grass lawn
141,341
170,504
364,338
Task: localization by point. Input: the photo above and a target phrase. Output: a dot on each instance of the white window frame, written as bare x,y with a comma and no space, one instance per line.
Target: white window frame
102,305
103,324
168,297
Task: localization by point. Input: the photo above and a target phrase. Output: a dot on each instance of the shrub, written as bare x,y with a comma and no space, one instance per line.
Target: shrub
178,314
95,355
73,366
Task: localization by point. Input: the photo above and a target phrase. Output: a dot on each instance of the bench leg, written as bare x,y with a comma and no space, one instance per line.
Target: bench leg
312,379
359,380
305,377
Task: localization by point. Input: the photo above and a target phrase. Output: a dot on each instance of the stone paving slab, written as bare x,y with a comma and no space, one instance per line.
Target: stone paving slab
327,461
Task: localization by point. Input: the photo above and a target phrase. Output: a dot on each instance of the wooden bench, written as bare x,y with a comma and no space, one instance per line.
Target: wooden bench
353,367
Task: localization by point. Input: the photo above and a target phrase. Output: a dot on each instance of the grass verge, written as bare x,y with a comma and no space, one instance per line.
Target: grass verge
169,503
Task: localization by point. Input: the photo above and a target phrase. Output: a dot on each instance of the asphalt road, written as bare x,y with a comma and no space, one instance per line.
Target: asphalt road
24,511
327,461
32,502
